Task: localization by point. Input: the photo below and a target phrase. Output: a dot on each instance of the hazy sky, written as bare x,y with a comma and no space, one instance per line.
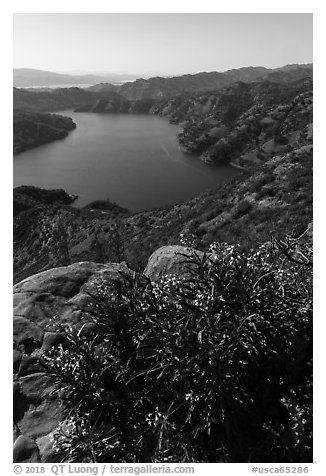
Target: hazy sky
148,43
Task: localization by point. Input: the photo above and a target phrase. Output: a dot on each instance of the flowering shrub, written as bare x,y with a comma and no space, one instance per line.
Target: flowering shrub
212,367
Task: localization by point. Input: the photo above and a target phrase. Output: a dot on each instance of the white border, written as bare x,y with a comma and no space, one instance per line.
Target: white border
168,6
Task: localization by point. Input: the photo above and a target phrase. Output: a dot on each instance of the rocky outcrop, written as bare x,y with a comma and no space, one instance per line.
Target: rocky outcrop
169,260
25,450
63,293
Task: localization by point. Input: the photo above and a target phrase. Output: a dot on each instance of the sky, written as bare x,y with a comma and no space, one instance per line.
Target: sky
159,43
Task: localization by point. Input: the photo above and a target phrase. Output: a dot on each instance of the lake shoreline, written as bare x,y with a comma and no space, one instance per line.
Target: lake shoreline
134,160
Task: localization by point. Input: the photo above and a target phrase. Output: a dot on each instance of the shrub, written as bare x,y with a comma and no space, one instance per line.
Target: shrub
212,367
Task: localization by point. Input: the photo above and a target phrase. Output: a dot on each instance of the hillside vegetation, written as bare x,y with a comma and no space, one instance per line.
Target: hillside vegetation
27,196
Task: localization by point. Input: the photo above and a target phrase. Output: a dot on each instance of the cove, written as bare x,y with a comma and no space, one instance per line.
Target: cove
134,160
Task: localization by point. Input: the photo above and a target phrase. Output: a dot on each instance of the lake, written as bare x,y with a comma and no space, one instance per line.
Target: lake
134,160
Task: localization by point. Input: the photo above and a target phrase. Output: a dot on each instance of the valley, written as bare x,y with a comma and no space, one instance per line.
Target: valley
263,128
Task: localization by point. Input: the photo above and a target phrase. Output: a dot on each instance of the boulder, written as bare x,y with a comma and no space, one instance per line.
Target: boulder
25,450
63,293
52,339
29,365
169,260
27,335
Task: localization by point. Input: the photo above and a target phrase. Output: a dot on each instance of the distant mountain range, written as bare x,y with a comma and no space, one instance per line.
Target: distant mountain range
26,77
158,87
153,88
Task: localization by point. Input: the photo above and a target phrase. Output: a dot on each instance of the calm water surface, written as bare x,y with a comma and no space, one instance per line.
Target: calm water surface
134,160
